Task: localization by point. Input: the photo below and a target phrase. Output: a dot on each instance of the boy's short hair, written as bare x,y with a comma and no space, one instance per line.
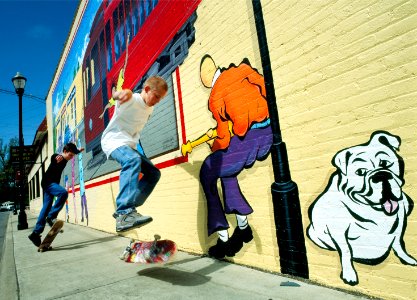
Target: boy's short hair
70,147
156,83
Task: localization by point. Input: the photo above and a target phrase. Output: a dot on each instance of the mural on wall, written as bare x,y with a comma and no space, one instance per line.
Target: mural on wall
132,25
363,211
242,136
157,35
73,189
84,209
66,201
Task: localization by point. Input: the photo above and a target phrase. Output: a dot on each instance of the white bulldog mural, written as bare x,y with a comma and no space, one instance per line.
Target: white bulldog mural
363,211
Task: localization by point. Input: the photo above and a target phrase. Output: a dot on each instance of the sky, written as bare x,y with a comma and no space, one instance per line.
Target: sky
33,35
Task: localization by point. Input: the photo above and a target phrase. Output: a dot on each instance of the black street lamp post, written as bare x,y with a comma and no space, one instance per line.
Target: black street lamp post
19,82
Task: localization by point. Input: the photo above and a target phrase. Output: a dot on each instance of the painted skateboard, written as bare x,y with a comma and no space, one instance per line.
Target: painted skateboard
149,252
49,238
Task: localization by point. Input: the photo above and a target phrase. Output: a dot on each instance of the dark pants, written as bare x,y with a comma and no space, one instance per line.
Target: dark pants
48,210
227,164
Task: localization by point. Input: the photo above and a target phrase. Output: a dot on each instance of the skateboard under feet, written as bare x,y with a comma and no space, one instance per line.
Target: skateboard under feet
50,237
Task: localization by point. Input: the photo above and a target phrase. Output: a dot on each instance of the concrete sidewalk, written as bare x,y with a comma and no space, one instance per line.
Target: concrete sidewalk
84,264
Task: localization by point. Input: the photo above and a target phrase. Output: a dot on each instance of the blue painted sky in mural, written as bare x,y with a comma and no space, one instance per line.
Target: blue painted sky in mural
75,56
33,35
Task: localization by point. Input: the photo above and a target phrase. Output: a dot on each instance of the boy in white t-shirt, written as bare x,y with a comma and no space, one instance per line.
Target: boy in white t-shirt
119,141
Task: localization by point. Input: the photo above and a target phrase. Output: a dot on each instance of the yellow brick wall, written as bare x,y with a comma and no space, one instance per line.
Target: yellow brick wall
342,70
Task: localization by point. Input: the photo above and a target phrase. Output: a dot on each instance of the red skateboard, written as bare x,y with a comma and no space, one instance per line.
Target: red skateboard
157,251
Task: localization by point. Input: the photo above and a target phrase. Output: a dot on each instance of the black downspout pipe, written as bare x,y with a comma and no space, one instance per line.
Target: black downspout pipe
286,203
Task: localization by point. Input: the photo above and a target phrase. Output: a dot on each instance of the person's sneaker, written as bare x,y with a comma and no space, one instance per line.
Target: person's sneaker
50,221
130,221
35,238
238,237
220,250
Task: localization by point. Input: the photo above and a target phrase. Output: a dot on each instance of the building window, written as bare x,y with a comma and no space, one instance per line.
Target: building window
37,185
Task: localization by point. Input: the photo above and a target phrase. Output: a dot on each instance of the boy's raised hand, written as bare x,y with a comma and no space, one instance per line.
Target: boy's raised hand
122,96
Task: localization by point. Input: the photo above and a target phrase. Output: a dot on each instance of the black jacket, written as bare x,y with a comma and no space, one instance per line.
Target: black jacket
53,174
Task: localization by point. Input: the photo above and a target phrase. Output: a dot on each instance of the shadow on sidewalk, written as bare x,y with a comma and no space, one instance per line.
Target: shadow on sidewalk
84,244
175,277
183,278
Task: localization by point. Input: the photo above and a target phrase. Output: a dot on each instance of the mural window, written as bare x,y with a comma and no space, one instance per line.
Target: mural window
57,124
95,72
118,27
122,28
108,47
102,57
140,10
128,16
135,18
74,111
87,81
151,5
85,88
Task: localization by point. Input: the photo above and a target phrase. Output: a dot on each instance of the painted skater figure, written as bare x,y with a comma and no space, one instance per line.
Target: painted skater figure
243,135
84,209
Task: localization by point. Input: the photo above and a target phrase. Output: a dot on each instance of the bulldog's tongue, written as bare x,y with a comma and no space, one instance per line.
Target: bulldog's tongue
390,206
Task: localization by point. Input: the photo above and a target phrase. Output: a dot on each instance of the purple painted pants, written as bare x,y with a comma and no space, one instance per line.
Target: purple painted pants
227,164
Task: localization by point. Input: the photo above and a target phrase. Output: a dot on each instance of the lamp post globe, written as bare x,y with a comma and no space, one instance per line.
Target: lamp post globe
19,82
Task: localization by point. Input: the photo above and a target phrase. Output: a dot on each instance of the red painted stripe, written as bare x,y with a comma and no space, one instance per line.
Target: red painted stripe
162,165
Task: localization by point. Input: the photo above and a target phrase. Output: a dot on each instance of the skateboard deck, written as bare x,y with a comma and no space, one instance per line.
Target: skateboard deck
49,238
147,252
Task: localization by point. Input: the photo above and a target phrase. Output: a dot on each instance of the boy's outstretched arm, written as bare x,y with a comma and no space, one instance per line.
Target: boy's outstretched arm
123,95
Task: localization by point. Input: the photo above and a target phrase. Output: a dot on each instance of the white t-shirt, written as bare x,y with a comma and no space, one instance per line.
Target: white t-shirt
126,124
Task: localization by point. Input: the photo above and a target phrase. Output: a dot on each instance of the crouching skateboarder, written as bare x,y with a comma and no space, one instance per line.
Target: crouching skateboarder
51,189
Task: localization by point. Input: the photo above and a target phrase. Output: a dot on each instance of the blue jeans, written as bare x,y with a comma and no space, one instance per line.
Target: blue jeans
133,192
48,210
